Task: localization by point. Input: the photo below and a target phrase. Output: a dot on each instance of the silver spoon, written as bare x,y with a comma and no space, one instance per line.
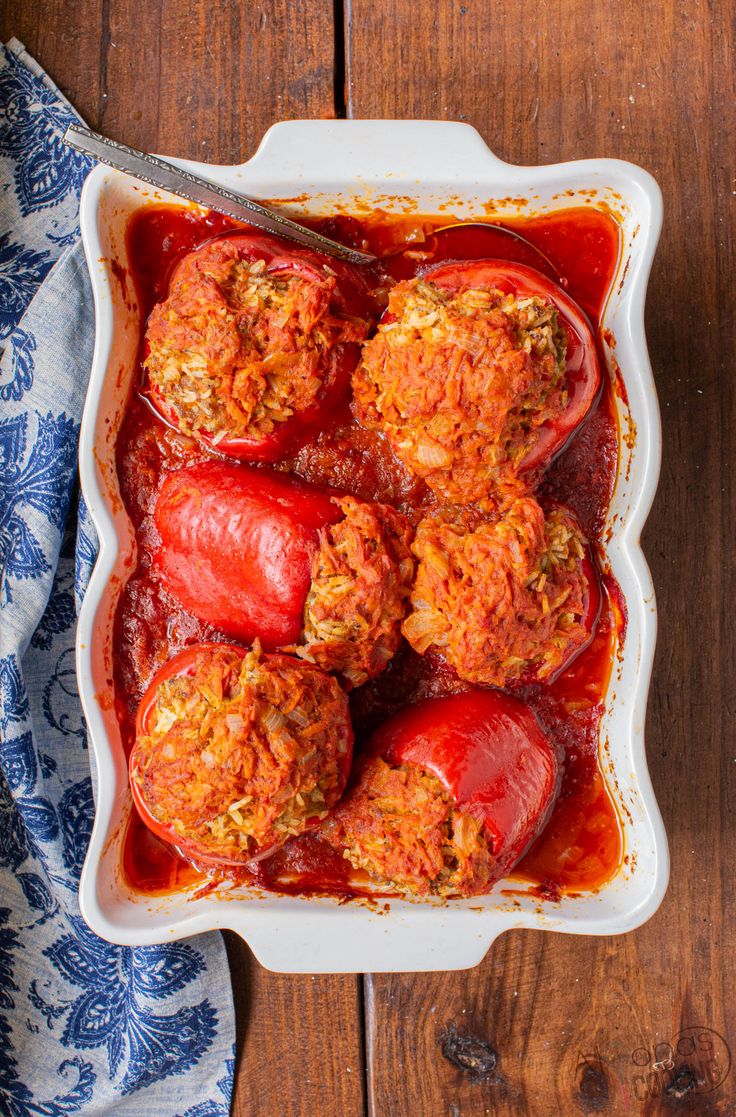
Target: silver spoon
540,260
165,176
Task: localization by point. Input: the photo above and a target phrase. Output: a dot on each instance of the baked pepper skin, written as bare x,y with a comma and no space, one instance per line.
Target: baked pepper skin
237,546
490,753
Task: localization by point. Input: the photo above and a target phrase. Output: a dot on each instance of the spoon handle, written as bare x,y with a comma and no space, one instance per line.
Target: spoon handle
165,176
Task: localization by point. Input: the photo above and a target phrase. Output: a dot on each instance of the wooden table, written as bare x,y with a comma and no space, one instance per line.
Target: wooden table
555,1025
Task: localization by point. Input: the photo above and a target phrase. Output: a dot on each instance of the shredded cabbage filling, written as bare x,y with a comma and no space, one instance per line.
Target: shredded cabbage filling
235,350
502,599
400,825
460,381
244,752
361,576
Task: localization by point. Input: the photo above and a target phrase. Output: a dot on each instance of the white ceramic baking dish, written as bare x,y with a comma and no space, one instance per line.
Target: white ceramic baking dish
314,167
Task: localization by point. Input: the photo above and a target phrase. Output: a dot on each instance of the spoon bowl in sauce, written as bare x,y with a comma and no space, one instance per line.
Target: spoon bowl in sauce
471,240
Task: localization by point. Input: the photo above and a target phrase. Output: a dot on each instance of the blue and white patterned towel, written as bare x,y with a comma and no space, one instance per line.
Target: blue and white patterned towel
85,1027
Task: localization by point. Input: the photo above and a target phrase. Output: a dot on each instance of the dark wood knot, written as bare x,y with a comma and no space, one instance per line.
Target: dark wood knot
593,1087
472,1055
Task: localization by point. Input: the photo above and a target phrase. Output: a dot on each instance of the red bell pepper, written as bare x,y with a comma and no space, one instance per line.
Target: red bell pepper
237,546
186,663
351,298
492,756
583,368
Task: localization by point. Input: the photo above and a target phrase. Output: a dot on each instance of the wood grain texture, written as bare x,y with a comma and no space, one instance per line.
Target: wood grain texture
300,1042
187,77
572,1021
547,1025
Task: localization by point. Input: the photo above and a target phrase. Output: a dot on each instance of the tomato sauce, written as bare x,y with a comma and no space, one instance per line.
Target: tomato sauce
581,846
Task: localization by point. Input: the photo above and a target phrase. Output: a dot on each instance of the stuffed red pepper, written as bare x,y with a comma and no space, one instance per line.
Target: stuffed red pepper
479,373
236,751
254,344
507,600
448,794
260,554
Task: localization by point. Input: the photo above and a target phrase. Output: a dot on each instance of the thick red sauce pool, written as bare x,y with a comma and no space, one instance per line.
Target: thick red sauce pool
581,846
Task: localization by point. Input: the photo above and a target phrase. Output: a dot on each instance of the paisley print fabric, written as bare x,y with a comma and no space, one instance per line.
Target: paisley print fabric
85,1027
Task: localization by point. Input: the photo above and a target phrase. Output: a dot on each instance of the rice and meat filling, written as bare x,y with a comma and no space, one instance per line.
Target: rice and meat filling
503,600
244,752
400,825
234,350
459,381
361,577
